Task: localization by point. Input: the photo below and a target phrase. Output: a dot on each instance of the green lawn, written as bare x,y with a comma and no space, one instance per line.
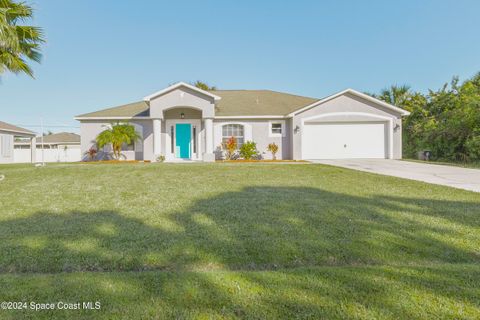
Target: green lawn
248,241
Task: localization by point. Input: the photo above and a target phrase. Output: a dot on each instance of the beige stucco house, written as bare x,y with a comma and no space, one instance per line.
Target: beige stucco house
183,122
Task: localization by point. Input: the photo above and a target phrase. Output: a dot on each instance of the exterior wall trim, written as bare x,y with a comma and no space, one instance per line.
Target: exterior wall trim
251,117
113,118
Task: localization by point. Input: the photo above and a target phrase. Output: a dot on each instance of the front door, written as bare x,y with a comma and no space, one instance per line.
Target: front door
183,139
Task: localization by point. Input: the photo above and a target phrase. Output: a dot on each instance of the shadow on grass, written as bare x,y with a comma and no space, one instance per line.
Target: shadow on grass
276,252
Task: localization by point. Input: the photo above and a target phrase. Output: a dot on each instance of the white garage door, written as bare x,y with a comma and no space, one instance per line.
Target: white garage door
344,140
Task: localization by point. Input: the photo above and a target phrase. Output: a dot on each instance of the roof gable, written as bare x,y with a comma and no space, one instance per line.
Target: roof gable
178,85
401,111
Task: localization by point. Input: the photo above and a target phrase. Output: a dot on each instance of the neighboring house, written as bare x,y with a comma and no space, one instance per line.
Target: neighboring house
183,122
8,134
55,147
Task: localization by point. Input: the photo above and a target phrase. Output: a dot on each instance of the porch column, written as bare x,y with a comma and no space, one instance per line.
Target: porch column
208,155
33,149
157,143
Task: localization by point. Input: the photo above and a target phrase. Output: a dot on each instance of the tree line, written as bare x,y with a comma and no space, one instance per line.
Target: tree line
445,121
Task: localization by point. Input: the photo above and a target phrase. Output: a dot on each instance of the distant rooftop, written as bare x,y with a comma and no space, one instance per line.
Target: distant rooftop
56,138
61,137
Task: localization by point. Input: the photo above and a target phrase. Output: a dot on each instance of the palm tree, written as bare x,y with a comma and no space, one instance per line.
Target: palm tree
203,85
18,42
396,95
116,135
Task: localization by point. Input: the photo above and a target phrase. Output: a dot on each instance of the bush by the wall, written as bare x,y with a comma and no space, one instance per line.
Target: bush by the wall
249,150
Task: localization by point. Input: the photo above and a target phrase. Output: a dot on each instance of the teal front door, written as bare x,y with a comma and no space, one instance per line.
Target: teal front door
183,138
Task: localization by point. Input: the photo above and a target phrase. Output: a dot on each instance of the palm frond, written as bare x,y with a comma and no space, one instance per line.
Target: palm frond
18,43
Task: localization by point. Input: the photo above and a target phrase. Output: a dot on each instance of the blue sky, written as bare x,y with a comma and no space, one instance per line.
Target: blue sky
105,53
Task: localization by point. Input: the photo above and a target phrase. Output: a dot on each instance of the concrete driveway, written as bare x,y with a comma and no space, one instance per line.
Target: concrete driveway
457,177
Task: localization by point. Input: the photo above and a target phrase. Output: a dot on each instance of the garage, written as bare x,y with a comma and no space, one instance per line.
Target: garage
345,140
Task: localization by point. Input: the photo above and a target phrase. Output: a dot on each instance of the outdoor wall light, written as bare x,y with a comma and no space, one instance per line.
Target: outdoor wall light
182,115
397,126
297,129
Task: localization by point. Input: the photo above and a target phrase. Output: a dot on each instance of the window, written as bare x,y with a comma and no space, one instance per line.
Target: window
277,128
233,130
128,147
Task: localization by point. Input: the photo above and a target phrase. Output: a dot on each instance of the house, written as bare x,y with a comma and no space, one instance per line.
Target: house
183,122
55,147
8,134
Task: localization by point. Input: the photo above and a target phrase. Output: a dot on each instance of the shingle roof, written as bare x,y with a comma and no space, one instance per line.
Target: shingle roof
258,103
134,109
66,137
14,129
55,138
233,103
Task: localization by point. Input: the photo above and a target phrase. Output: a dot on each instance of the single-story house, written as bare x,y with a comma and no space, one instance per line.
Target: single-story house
8,134
183,122
55,147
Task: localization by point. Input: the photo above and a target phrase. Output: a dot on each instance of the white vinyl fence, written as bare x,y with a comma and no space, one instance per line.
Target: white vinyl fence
70,154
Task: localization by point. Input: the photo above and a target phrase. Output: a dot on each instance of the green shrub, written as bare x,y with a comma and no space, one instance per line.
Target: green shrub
248,150
473,146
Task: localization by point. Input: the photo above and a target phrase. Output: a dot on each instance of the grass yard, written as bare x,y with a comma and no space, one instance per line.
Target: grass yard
471,165
221,241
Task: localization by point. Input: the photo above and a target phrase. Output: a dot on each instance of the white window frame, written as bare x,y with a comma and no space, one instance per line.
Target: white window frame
276,135
218,133
236,137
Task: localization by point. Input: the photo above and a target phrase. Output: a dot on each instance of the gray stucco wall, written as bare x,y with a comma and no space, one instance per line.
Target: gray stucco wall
89,130
259,132
344,104
182,97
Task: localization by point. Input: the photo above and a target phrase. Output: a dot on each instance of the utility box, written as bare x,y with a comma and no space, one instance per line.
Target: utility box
424,155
